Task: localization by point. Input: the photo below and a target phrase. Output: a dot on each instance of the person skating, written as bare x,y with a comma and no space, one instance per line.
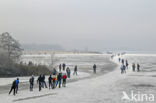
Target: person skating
13,87
123,61
31,81
127,64
124,69
68,72
94,68
133,67
50,81
121,68
119,60
60,66
64,66
17,82
54,71
53,81
64,77
59,77
75,70
44,82
138,67
39,81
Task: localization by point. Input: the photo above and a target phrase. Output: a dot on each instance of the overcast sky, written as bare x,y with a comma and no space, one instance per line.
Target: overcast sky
96,24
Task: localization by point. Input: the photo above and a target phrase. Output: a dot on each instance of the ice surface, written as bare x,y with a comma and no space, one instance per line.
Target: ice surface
107,88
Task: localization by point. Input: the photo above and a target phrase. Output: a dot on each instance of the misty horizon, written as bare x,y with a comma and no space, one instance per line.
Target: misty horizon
84,24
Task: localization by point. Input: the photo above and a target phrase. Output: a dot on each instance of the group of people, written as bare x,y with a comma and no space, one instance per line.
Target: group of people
124,66
134,67
57,78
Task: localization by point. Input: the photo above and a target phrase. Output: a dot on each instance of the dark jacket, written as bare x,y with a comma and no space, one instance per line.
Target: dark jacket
59,76
14,84
50,79
39,80
31,80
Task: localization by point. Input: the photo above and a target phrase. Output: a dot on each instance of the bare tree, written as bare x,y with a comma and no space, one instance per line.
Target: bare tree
10,47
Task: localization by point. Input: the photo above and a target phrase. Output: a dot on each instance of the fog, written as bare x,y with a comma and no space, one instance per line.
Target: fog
80,24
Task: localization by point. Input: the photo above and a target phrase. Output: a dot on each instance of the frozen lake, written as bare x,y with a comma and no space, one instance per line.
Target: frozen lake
105,88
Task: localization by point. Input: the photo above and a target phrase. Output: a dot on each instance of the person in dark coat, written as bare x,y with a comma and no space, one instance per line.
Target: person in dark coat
39,81
124,68
75,70
68,72
50,81
60,67
133,67
127,64
64,66
44,82
31,81
54,71
13,87
138,67
119,60
123,61
94,68
59,77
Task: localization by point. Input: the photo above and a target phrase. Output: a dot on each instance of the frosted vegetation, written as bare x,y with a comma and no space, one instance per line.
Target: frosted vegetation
10,55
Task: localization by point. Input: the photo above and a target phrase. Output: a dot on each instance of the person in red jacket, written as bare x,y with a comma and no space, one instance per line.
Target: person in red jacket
53,81
64,77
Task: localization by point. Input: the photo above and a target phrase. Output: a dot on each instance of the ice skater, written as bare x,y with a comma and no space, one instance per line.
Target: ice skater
94,68
54,71
60,67
44,82
75,70
13,87
64,77
53,81
50,81
138,67
31,81
119,60
17,82
64,66
133,67
123,61
39,82
123,69
127,64
68,72
59,77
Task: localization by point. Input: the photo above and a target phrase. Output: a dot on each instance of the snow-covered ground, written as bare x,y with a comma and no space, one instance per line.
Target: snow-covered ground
107,88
